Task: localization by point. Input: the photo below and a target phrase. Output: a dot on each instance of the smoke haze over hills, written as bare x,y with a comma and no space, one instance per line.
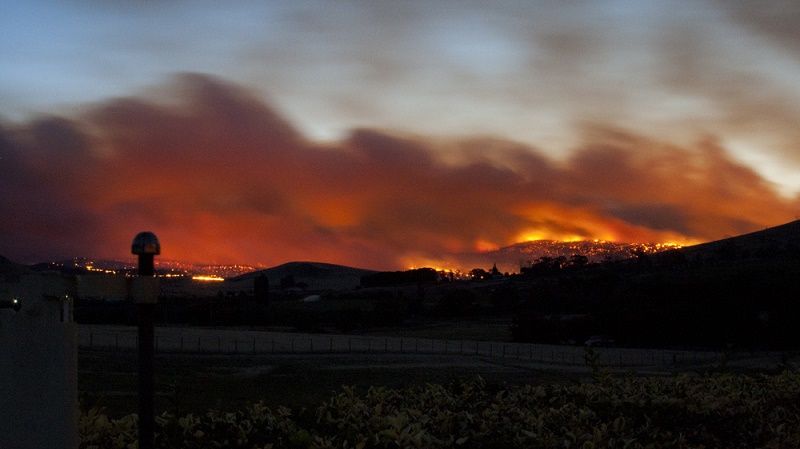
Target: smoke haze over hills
220,176
392,134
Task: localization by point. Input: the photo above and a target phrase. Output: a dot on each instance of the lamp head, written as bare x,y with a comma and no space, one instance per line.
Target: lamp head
146,243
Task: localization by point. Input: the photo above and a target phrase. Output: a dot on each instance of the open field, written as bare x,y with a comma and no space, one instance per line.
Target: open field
228,375
194,383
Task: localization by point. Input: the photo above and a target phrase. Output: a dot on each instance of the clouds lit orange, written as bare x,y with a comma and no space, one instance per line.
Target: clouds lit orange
392,134
222,177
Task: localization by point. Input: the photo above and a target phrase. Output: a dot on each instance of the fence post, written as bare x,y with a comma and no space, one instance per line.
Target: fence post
146,246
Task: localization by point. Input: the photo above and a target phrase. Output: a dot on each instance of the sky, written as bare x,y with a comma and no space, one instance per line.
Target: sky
388,135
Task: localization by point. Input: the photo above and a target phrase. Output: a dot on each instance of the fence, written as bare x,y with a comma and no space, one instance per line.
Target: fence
228,341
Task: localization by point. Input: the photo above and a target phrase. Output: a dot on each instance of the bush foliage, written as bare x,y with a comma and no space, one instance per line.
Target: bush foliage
705,411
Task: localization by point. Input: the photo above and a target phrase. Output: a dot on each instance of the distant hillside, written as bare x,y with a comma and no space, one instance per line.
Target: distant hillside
596,251
775,242
778,241
316,275
510,258
740,291
7,266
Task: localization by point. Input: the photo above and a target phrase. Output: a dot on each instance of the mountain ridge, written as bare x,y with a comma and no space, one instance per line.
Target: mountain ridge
315,275
783,238
8,266
773,241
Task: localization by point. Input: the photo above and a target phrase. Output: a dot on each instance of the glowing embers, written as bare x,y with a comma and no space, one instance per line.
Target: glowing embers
204,278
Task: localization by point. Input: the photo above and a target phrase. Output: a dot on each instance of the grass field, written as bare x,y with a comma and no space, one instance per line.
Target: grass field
197,382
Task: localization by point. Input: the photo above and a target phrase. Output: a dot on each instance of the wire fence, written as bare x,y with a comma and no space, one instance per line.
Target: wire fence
227,341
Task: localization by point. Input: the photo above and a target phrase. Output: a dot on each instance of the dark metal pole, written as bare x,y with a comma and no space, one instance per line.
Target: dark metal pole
147,314
146,246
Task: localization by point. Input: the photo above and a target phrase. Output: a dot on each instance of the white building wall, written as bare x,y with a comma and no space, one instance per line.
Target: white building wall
38,363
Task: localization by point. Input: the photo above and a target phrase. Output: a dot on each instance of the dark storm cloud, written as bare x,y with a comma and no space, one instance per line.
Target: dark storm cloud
220,176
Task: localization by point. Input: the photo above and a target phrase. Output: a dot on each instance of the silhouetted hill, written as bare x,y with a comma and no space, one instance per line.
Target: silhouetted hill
772,243
740,290
315,275
7,266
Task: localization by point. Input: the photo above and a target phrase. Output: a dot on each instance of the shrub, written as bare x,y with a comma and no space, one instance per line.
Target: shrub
720,410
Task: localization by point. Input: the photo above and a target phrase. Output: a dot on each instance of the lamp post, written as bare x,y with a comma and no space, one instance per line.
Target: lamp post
12,303
146,246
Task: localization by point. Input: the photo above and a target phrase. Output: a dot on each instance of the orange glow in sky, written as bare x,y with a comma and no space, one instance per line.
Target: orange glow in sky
384,135
253,190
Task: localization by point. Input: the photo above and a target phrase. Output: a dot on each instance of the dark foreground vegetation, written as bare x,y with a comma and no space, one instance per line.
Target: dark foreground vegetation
721,410
742,302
